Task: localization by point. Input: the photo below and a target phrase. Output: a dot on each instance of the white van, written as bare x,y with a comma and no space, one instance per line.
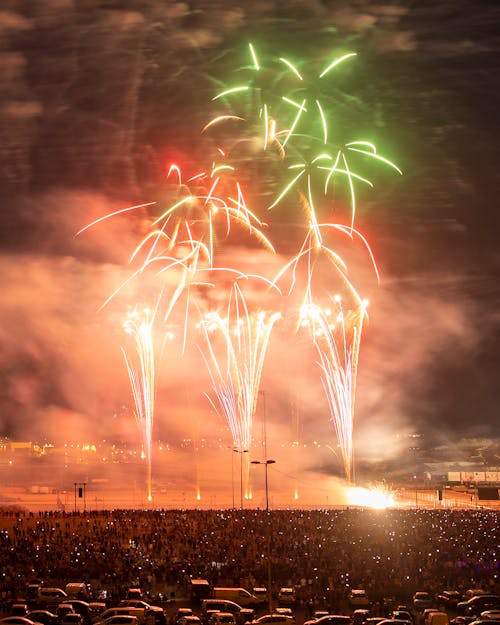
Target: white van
239,595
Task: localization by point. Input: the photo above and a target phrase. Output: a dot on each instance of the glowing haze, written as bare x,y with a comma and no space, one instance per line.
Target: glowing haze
64,375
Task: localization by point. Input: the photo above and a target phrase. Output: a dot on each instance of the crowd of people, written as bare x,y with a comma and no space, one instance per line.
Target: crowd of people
323,553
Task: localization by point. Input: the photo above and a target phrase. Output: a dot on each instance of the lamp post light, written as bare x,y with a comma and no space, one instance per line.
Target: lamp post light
268,541
266,464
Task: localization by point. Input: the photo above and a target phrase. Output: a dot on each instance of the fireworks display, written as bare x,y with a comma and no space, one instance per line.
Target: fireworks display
283,109
337,338
235,362
142,370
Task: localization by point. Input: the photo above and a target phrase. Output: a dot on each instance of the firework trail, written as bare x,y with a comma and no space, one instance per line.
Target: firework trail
336,336
260,91
314,254
235,363
142,374
208,203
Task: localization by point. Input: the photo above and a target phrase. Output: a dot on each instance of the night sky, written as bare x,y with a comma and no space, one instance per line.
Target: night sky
98,98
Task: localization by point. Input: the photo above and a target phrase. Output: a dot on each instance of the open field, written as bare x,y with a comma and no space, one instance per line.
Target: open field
99,498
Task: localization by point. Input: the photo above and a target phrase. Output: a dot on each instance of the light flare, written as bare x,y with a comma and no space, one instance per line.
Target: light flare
376,498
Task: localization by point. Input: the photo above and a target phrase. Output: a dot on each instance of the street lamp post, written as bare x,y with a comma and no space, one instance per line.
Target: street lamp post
268,531
232,476
241,452
266,464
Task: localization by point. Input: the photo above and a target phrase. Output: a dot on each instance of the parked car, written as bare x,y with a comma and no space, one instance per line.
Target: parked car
16,620
190,619
474,592
422,600
330,619
245,615
286,596
449,599
477,604
155,616
358,598
222,618
51,596
80,607
139,613
182,612
62,609
241,596
403,615
77,590
273,619
286,612
44,617
31,593
491,615
426,614
218,605
96,608
134,593
19,609
260,593
72,618
119,619
359,616
200,589
438,618
134,603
